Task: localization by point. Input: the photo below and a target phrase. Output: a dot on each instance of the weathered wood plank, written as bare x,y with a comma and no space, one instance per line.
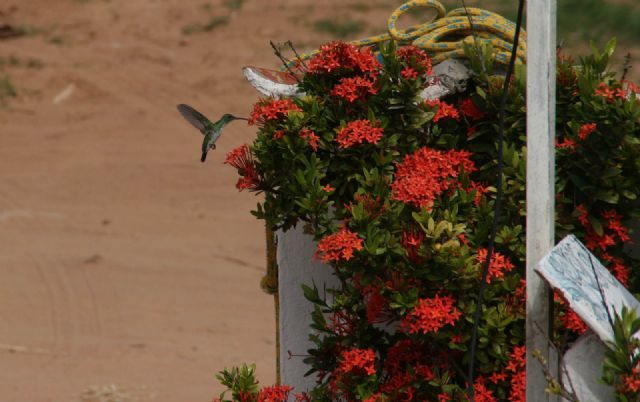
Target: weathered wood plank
541,69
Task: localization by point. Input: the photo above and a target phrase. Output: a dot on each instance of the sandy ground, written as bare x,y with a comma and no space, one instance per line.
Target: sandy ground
127,267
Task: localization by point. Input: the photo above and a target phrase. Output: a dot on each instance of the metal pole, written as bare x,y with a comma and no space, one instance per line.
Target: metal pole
541,92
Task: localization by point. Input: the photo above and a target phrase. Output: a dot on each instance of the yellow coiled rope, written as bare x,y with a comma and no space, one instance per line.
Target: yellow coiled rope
447,34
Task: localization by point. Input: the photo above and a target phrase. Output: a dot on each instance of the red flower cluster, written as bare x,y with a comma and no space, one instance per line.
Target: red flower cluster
571,144
585,130
572,322
632,89
517,367
409,73
415,58
242,159
613,232
357,361
275,393
406,363
429,315
617,268
444,110
358,132
610,94
375,303
613,223
470,110
480,391
566,143
425,174
480,190
271,109
498,266
341,324
373,207
355,88
338,246
342,56
411,241
311,137
631,382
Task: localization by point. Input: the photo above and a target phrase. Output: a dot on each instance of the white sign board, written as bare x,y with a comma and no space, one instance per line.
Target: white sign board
586,285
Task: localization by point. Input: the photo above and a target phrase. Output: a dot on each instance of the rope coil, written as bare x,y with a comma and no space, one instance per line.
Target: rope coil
447,34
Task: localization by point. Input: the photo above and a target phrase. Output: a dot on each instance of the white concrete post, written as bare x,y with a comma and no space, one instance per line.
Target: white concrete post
296,267
541,89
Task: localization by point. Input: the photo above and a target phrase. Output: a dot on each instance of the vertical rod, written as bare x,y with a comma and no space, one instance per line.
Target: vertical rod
541,94
269,284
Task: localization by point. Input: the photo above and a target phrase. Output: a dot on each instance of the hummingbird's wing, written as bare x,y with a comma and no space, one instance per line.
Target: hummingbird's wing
197,119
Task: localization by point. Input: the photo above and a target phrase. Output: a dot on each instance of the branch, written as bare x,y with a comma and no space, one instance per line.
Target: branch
284,61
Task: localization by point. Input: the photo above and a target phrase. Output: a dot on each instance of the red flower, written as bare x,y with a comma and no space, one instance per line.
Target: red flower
425,174
411,241
271,109
357,361
572,322
518,387
415,57
621,272
303,397
584,215
311,137
338,246
278,134
498,266
328,188
242,159
517,366
470,110
497,377
481,393
631,382
429,315
341,324
517,359
480,190
358,132
275,393
606,92
566,143
375,303
585,130
409,73
616,226
342,56
354,88
373,398
631,88
444,110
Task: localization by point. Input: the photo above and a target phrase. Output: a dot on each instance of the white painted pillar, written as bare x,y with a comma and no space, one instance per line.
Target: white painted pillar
541,89
296,267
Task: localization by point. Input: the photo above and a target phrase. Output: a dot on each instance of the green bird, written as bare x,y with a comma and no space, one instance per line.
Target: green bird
211,131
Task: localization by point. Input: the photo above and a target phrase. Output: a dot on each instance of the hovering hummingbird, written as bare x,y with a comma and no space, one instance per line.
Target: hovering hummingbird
211,131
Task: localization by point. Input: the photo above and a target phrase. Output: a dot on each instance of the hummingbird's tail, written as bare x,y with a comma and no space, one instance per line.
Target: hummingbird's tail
203,157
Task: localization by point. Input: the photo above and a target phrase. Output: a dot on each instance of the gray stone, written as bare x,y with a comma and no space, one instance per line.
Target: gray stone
581,370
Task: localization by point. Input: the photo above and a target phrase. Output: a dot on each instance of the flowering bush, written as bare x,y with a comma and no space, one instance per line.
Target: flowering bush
398,193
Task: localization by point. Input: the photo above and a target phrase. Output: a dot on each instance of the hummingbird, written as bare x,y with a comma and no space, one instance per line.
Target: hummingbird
211,131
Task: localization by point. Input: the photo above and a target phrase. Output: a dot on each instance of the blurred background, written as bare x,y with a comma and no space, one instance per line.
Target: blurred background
129,270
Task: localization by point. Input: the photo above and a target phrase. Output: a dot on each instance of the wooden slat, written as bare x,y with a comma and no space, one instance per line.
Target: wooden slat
541,69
